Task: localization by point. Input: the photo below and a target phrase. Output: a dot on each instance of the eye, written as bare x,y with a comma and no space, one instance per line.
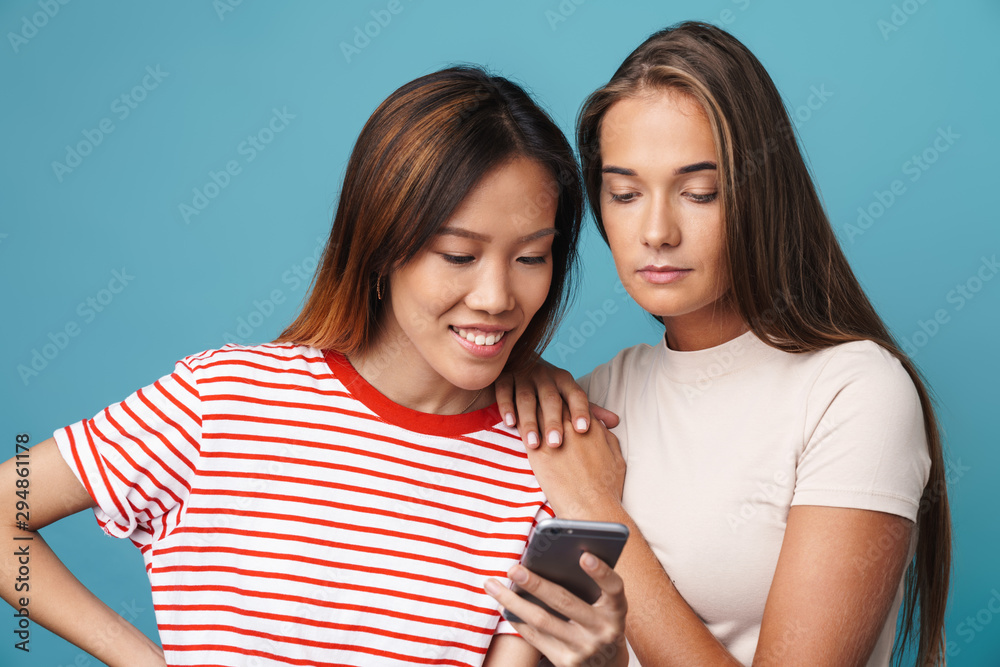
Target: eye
457,259
703,199
624,197
533,261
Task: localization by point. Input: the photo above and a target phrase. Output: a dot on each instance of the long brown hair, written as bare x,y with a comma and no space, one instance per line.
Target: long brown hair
418,156
790,279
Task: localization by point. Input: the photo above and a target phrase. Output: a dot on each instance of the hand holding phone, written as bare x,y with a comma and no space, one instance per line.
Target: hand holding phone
554,554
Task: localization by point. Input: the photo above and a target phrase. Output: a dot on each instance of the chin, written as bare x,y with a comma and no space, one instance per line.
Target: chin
475,379
661,307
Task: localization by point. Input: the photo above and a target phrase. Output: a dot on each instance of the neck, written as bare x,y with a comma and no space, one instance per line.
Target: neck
707,327
389,366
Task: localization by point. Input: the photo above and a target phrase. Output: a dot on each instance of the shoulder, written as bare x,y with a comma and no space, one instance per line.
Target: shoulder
246,359
867,369
624,367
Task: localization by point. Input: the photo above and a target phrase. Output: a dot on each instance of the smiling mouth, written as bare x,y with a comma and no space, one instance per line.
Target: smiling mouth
478,337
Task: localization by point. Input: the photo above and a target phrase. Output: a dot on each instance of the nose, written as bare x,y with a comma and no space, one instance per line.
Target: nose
659,225
491,291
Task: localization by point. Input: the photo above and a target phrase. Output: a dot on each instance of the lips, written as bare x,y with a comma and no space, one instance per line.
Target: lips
661,275
480,337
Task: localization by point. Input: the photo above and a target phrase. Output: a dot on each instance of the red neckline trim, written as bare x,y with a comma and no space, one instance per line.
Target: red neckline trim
398,415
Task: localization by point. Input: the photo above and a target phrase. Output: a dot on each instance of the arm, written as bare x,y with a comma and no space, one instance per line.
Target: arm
57,599
833,589
510,651
823,607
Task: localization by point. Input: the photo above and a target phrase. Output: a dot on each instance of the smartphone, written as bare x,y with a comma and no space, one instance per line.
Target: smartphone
554,553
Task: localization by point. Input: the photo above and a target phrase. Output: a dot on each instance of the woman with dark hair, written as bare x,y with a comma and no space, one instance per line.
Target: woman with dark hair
785,479
344,494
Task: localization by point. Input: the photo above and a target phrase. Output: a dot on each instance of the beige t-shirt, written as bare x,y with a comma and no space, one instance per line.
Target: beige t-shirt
721,442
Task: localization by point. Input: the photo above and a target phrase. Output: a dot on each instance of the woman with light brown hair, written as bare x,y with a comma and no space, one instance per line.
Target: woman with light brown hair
780,464
348,493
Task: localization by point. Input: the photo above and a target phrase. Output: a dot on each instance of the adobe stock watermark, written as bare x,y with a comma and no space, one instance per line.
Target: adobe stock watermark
87,311
974,624
31,25
364,34
814,102
877,549
576,336
915,168
266,472
775,492
898,17
122,106
794,631
129,612
770,492
959,297
727,16
562,12
801,114
724,360
248,149
223,7
295,277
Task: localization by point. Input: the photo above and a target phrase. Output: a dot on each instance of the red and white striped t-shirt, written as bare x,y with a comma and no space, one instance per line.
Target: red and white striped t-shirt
289,513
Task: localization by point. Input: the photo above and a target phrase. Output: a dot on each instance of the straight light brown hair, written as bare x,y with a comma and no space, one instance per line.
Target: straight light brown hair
790,279
424,149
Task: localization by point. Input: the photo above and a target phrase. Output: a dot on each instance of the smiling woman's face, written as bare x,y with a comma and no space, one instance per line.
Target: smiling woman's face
660,207
462,303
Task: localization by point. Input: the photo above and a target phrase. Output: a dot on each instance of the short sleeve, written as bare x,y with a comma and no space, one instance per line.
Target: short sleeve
865,443
504,627
137,459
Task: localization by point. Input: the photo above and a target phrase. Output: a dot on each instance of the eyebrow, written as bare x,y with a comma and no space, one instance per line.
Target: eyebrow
698,166
686,169
476,236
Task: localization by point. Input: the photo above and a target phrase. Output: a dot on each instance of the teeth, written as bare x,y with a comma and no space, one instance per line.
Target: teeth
480,339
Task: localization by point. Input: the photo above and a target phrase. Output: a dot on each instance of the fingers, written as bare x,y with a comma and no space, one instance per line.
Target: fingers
592,631
609,418
556,597
527,414
576,399
504,388
550,406
612,586
536,400
532,616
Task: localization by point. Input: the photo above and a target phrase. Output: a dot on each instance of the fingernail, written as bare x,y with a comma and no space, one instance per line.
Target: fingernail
508,419
532,439
519,575
554,438
581,424
492,587
589,561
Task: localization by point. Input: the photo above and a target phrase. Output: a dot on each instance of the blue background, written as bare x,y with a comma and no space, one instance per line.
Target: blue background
893,78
